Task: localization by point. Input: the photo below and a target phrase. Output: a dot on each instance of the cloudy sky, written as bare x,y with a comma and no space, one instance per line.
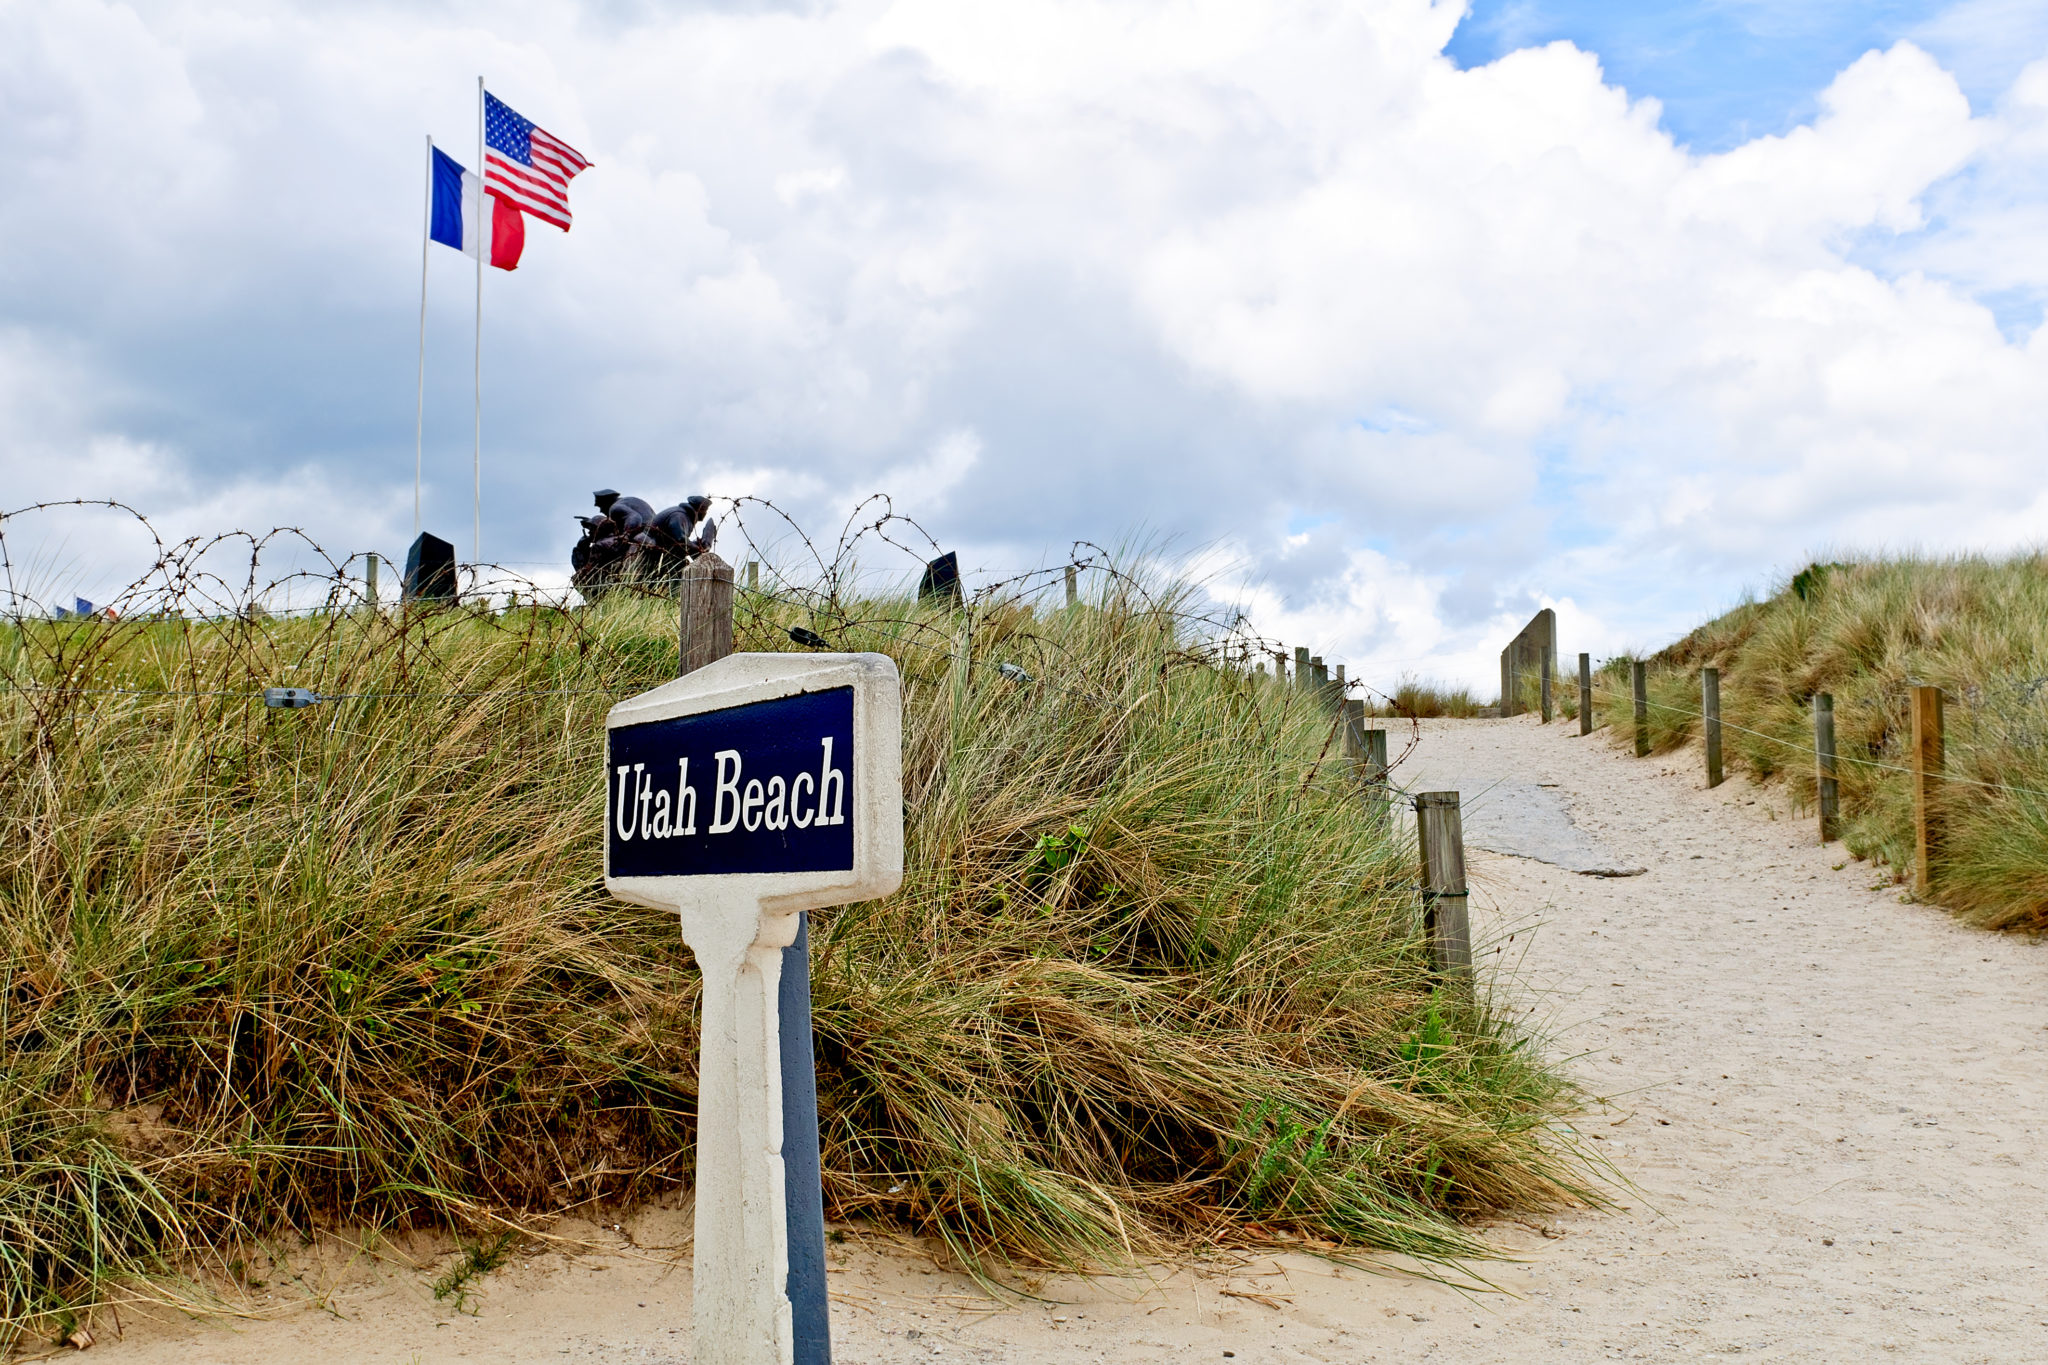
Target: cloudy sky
1401,319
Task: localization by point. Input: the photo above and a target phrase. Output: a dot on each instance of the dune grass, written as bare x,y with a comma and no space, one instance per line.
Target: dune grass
1866,632
1153,981
1422,699
1564,694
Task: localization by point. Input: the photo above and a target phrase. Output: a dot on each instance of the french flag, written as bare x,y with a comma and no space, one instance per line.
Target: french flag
471,221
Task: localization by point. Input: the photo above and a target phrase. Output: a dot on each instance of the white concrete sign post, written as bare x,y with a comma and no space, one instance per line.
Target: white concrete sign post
740,796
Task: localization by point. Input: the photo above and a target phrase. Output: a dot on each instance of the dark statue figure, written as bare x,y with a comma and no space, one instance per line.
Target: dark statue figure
628,541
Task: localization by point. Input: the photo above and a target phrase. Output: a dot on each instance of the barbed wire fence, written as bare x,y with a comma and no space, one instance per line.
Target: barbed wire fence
221,586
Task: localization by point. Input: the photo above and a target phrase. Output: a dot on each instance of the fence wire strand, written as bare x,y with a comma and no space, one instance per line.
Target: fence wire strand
1796,747
186,582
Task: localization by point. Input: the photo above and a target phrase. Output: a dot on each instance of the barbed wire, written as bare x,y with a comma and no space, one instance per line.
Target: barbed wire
259,693
185,583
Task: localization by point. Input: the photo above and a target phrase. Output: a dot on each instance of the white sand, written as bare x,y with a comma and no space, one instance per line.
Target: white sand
1833,1106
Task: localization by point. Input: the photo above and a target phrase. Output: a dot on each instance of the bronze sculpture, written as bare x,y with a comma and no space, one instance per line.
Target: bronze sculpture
628,541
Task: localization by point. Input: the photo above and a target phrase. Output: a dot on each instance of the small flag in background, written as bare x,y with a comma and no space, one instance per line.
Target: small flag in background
527,165
468,219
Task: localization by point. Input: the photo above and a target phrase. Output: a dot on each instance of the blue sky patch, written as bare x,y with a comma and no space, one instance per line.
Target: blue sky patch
1727,71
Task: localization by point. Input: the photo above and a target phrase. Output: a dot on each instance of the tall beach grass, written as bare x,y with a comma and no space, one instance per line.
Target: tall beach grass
1866,632
1423,699
1153,980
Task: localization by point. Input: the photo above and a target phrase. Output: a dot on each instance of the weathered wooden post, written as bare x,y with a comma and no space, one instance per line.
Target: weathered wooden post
1639,679
1319,678
1303,674
753,575
1073,586
1376,791
1445,916
1367,751
1710,718
370,581
1549,666
757,788
1928,760
1585,694
705,634
1827,792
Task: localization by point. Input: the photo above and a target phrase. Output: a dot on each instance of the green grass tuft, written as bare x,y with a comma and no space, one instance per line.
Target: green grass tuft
472,1262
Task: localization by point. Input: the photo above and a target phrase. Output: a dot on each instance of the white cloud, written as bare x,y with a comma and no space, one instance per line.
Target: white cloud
1890,126
926,484
1423,348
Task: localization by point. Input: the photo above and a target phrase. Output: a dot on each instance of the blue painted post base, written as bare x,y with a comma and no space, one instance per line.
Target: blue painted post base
802,1177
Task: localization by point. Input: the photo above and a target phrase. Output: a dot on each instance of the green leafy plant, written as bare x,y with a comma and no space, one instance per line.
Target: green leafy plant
472,1262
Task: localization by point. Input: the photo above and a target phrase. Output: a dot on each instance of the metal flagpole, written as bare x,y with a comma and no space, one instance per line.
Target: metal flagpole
419,421
482,246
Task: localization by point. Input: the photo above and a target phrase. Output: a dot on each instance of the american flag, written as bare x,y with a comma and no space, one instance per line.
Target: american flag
528,165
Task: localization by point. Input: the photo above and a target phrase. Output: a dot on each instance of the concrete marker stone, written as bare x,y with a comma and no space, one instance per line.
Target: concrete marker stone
742,795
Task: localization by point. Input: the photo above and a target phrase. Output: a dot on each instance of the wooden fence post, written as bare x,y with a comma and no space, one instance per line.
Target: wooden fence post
370,581
753,575
1367,750
1445,916
1710,715
1302,676
705,633
1549,666
1827,791
1073,587
1928,760
1639,680
1376,770
1585,694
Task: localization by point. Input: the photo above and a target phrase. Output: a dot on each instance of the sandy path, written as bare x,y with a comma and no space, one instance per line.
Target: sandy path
1834,1107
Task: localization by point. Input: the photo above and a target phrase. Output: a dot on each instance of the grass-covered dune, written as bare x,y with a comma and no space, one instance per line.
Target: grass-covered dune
1153,979
1866,632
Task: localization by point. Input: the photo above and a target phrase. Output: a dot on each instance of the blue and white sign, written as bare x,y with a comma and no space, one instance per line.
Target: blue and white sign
765,787
782,771
740,796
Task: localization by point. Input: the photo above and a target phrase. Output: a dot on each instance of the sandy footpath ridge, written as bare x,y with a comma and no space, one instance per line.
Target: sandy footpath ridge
1833,1106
